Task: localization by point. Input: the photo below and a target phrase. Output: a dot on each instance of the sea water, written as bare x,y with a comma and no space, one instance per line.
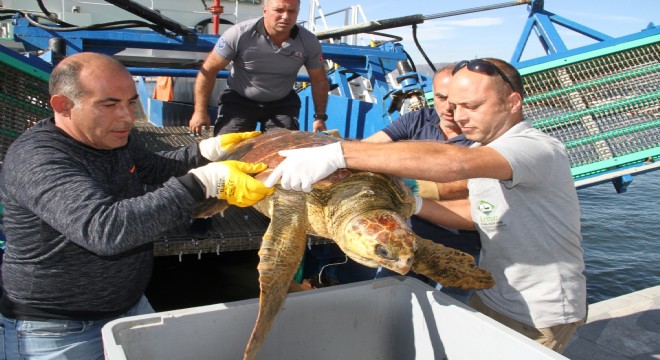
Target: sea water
621,237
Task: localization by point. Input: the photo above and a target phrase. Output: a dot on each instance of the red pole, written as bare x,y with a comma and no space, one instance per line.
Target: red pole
216,10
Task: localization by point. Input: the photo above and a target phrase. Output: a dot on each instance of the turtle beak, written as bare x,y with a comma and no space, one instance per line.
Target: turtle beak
397,261
403,266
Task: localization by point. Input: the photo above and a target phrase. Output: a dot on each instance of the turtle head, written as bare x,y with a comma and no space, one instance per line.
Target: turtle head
379,238
367,212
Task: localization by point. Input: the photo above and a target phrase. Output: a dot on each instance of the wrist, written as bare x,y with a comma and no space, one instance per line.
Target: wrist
322,117
211,177
338,155
209,148
193,185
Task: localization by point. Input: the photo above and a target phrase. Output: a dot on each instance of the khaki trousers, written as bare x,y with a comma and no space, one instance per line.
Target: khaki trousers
555,337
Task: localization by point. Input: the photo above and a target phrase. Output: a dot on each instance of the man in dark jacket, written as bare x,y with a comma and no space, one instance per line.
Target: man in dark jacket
78,221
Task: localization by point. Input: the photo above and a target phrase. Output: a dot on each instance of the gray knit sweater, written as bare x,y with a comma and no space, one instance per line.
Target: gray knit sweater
80,225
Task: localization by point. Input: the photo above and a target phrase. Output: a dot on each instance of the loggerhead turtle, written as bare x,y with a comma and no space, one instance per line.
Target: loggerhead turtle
364,213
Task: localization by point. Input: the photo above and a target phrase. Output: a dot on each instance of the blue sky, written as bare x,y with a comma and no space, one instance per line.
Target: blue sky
493,33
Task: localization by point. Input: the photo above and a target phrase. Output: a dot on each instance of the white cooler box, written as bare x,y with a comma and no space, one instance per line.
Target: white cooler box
397,318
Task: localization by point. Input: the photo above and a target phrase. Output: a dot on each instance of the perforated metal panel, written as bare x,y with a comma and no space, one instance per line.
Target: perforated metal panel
23,101
604,107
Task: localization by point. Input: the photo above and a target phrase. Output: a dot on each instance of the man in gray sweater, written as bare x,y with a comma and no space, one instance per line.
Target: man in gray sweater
78,221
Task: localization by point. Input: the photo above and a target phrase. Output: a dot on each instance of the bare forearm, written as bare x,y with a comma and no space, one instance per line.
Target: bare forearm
454,214
379,137
454,190
411,159
320,94
427,160
204,84
205,80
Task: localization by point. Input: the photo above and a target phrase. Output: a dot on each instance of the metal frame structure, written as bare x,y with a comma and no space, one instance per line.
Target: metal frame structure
569,94
542,23
354,65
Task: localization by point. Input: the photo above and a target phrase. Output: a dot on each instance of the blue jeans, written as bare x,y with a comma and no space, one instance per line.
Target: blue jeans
58,339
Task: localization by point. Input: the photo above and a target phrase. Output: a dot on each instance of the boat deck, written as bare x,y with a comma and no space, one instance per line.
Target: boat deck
625,327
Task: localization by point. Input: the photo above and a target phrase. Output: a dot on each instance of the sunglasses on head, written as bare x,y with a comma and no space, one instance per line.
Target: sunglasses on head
483,67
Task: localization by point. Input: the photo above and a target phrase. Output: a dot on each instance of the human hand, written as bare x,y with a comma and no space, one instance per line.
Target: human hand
213,148
319,125
230,180
199,121
303,167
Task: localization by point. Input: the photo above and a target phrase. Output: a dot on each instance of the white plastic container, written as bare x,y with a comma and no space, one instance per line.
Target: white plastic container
387,319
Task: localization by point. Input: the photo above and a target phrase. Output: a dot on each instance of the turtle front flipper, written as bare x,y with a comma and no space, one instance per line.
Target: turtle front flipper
449,267
281,251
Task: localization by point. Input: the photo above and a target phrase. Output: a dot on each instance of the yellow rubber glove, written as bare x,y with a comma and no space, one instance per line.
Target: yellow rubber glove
241,189
428,189
230,180
214,148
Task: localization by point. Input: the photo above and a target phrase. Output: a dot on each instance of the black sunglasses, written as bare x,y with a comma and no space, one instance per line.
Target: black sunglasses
483,67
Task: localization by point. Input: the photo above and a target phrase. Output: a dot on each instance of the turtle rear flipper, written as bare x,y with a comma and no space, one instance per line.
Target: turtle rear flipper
449,267
282,249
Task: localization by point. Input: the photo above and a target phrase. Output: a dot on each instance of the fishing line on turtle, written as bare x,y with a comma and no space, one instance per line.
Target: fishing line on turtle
331,264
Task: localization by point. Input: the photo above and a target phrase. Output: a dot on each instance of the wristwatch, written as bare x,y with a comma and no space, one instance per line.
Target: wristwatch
323,117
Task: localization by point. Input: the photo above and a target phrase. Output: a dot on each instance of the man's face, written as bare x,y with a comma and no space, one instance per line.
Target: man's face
481,113
280,15
105,114
440,91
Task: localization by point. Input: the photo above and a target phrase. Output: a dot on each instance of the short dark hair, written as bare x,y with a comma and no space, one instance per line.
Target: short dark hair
511,73
65,77
65,80
447,67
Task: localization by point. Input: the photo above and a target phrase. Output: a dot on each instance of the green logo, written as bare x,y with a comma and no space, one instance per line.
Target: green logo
486,207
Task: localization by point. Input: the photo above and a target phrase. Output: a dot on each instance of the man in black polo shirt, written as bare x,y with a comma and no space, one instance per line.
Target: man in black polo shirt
266,55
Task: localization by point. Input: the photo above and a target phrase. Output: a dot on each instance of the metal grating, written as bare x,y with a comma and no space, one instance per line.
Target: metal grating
606,109
238,229
24,100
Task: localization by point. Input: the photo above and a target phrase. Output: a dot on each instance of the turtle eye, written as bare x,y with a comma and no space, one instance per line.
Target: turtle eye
381,251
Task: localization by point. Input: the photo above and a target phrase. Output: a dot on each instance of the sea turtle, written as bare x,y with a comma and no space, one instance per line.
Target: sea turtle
364,213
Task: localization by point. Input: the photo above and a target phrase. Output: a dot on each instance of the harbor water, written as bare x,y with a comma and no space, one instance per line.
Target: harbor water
621,237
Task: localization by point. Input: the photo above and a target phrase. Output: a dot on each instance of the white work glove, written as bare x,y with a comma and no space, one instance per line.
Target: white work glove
230,180
213,148
303,167
419,202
